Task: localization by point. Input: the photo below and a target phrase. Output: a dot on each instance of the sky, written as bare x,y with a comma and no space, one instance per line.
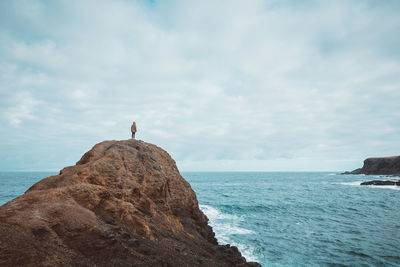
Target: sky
255,85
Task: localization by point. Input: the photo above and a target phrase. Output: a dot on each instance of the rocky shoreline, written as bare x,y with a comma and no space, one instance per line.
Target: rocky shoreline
387,166
124,203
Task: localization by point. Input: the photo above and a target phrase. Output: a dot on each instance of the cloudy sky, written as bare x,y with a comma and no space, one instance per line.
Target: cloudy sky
221,85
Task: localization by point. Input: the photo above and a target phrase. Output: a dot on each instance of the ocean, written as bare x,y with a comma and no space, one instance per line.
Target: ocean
287,219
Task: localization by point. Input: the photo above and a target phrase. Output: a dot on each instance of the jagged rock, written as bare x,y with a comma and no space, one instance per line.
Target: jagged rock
379,166
123,204
379,182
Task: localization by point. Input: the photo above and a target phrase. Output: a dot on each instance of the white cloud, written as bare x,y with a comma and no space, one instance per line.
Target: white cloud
227,81
22,106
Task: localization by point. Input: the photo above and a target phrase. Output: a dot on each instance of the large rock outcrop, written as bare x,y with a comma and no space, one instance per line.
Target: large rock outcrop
380,166
123,204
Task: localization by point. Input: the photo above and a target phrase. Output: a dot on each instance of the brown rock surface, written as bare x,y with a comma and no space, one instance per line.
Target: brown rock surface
123,204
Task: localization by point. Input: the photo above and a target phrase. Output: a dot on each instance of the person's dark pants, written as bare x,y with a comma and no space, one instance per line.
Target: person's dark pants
133,135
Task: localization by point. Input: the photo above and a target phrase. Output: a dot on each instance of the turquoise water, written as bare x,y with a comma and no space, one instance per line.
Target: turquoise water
14,184
303,219
288,219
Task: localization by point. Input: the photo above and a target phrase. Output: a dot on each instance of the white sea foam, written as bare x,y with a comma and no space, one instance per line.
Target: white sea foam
247,252
226,225
214,214
351,183
227,229
393,187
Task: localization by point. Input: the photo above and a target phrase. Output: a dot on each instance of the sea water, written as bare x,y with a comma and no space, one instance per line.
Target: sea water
288,219
14,184
302,219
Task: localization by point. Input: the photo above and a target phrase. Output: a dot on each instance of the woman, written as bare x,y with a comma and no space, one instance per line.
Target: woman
133,129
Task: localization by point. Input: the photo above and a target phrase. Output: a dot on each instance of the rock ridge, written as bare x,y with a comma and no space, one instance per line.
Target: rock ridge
124,203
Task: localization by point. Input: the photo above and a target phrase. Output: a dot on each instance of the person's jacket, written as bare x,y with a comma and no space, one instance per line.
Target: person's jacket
133,127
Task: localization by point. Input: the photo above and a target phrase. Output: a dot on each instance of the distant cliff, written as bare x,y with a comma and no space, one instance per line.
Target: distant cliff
123,204
384,166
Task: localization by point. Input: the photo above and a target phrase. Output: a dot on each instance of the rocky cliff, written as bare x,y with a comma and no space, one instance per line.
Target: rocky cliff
123,204
384,166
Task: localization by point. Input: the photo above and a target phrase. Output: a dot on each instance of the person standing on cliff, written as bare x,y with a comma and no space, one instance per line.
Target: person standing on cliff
133,129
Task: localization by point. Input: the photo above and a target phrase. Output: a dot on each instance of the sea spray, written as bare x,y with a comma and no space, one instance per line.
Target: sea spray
225,225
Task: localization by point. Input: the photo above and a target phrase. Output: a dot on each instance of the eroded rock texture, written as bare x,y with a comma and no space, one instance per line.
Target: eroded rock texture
123,204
